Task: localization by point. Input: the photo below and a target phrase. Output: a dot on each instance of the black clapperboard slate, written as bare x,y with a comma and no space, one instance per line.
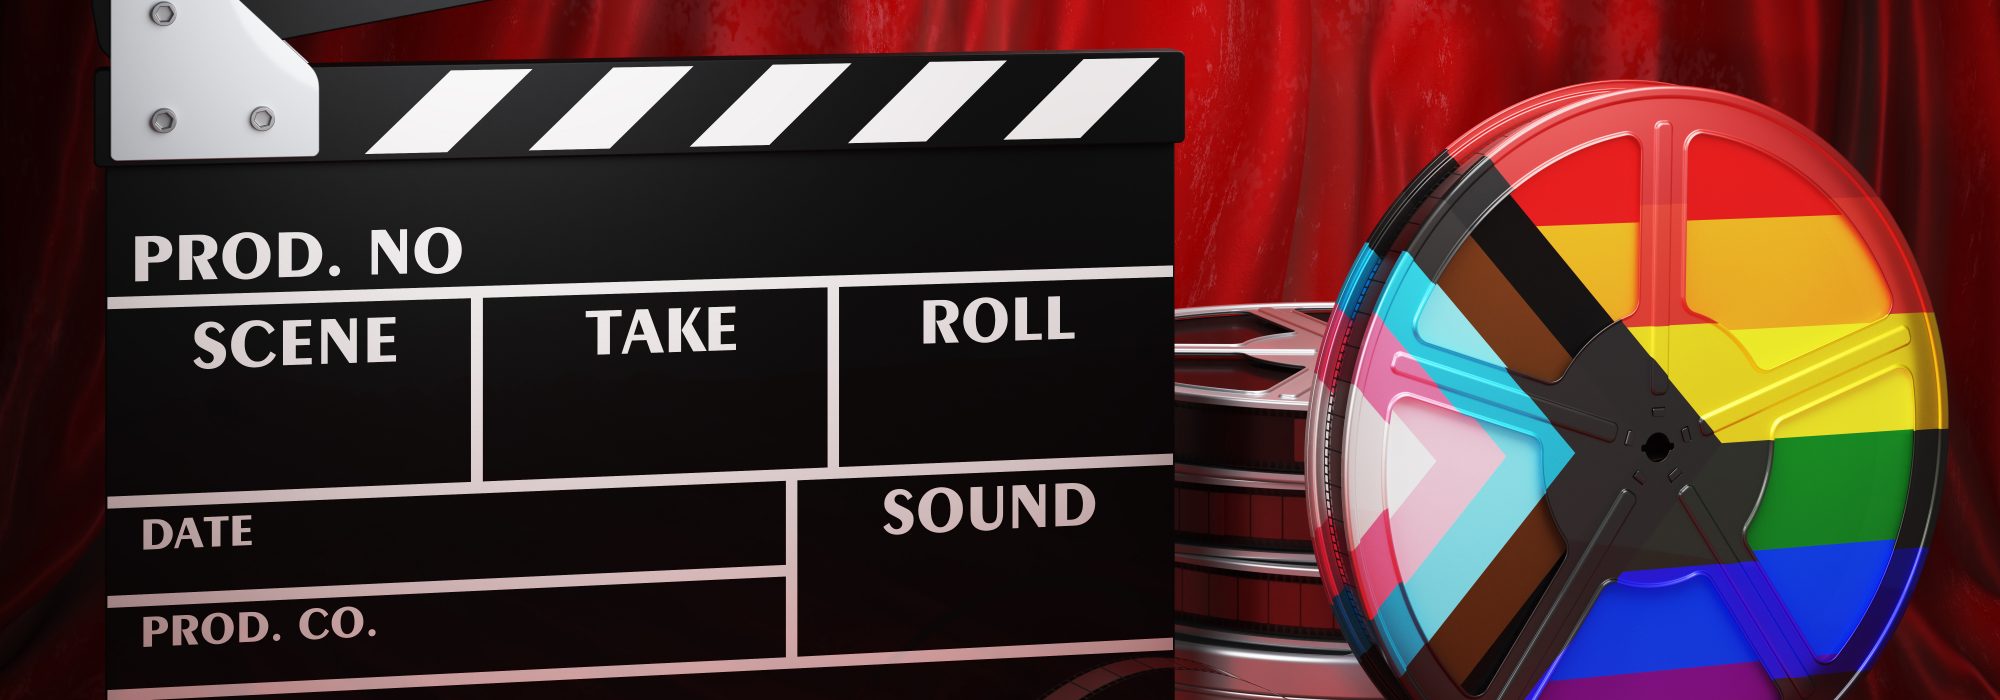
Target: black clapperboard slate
466,464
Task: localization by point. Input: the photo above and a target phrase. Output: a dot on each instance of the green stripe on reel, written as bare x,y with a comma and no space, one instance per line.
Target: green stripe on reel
1834,489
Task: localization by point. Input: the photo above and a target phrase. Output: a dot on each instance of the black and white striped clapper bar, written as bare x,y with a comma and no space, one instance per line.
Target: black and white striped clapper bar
733,377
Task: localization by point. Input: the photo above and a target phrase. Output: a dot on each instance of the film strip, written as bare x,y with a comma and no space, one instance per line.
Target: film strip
1249,602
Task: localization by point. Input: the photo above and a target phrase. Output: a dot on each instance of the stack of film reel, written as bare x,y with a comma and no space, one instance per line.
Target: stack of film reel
1634,392
1251,616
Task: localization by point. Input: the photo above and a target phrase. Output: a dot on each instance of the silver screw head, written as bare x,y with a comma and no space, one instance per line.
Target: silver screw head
162,120
262,119
162,13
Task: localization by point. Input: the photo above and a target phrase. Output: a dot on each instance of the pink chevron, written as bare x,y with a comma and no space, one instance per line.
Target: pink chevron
1465,454
1374,567
1466,458
1394,544
1378,355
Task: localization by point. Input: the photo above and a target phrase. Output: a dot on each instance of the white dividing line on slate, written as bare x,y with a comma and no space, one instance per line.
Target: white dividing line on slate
503,291
478,376
791,568
436,680
511,583
457,488
833,376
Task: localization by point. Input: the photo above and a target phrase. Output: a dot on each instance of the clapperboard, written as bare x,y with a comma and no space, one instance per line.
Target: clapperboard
823,376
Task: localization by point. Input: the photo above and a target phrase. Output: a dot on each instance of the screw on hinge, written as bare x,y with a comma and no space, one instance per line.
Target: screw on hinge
162,120
162,13
262,119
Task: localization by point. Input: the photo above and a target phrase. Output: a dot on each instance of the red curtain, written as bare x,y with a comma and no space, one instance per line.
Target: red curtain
1303,119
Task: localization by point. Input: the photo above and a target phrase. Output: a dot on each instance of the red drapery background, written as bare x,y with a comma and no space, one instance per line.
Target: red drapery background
1303,120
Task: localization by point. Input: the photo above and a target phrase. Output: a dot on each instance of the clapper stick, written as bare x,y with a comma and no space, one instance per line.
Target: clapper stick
290,18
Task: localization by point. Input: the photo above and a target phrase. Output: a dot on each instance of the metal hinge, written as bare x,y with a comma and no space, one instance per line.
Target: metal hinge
206,79
195,79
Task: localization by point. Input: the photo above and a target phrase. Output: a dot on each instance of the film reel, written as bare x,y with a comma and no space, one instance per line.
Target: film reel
1250,608
1347,327
1639,395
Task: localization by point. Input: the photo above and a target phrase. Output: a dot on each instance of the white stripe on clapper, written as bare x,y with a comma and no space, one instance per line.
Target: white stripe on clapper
610,108
448,111
770,105
1081,98
930,98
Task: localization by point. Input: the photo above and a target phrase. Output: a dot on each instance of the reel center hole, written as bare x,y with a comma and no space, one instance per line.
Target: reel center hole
1657,446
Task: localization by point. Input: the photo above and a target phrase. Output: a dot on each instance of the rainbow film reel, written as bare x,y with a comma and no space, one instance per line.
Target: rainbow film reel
1634,393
